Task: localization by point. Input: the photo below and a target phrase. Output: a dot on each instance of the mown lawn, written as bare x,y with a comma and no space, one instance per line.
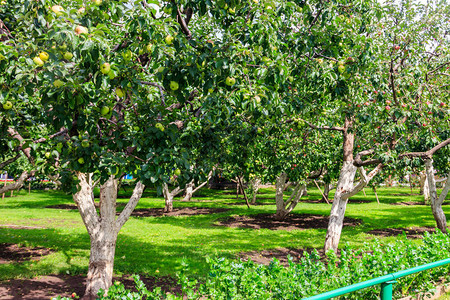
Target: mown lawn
157,245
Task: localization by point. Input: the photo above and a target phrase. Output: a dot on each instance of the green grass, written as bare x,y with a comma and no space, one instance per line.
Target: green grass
151,246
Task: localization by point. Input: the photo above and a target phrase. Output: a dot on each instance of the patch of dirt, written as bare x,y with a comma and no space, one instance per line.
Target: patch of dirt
412,233
291,222
159,212
13,253
406,194
46,287
185,211
63,206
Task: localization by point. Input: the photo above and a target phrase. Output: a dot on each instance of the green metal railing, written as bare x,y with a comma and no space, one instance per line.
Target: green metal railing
386,282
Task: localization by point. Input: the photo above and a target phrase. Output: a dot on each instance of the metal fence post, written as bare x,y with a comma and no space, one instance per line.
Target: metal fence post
386,290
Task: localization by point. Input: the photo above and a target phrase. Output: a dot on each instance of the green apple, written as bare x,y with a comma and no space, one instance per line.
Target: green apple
104,110
159,126
160,69
68,55
81,160
169,39
47,155
230,81
57,9
266,60
174,85
98,2
111,75
81,30
177,172
38,61
105,68
85,144
43,56
291,78
58,83
149,48
231,10
120,92
341,69
7,105
128,55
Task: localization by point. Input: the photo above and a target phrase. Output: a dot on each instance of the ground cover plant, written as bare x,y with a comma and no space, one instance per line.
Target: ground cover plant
158,246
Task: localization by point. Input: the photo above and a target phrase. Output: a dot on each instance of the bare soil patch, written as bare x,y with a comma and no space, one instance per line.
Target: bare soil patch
412,233
14,253
46,287
159,212
185,211
291,222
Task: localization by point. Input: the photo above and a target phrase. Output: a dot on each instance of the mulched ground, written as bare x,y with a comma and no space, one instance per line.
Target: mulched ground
14,253
46,287
159,212
265,256
291,222
412,233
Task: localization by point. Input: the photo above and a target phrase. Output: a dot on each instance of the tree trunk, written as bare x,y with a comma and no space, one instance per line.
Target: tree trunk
168,197
335,224
16,185
254,187
189,191
285,207
436,202
103,229
326,191
424,187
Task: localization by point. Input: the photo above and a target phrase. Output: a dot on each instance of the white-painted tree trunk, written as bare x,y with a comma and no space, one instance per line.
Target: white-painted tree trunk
189,191
436,201
285,207
168,197
103,228
344,190
424,186
254,187
336,221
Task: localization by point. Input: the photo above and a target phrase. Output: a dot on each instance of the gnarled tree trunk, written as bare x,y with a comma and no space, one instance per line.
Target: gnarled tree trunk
169,195
103,228
436,202
16,185
285,207
254,187
424,186
190,189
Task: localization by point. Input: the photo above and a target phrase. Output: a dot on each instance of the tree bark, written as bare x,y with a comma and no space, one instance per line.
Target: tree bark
424,187
168,197
285,207
103,228
336,221
16,185
189,191
436,202
326,191
254,187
